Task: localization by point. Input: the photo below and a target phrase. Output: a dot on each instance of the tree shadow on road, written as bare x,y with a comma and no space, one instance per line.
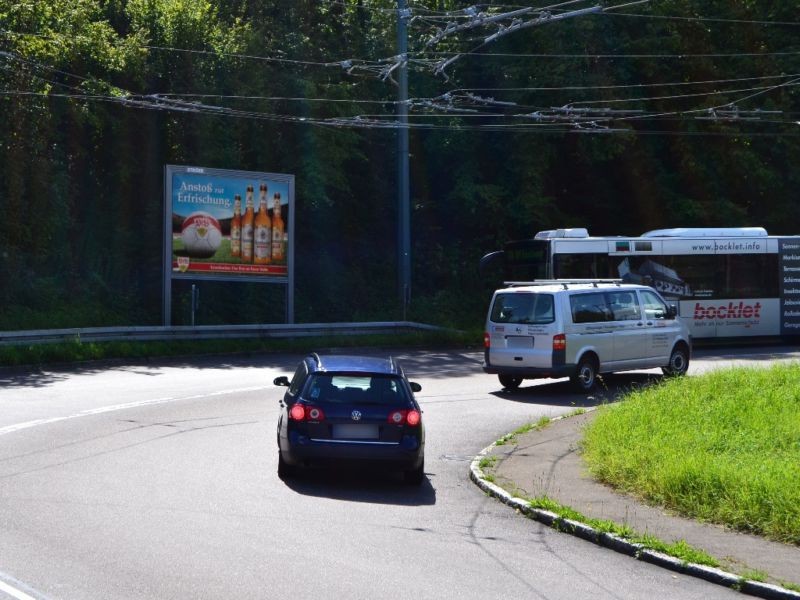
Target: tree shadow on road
440,364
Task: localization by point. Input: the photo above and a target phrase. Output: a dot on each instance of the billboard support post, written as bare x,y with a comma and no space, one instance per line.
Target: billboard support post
195,302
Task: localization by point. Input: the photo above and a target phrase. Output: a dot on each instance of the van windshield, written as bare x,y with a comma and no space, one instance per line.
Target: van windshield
523,307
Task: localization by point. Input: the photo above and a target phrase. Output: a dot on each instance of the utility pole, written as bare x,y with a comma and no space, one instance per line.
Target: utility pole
403,193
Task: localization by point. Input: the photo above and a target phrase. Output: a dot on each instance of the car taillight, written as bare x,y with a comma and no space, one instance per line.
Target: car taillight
297,412
405,417
306,413
560,342
314,413
487,340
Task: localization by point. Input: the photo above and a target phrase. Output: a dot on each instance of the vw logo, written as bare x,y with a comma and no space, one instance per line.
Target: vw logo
356,415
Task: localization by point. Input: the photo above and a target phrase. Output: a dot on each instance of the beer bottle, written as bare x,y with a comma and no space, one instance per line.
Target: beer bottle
247,227
236,227
278,254
263,230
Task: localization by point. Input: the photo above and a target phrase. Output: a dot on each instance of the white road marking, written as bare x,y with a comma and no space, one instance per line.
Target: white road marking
115,407
14,592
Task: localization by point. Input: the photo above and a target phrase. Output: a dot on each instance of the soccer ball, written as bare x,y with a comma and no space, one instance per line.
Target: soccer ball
201,235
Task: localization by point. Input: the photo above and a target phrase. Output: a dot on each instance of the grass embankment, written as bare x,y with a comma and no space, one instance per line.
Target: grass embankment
723,448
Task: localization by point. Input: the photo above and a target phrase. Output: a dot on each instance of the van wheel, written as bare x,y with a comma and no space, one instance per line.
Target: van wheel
678,362
509,381
585,375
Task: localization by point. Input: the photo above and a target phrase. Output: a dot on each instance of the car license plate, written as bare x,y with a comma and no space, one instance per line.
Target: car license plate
355,432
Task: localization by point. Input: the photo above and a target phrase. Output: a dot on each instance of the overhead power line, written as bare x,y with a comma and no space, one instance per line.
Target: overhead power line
512,21
625,86
710,20
464,100
584,124
598,56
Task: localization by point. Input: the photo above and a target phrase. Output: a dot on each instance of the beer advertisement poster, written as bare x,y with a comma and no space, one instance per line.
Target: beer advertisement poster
228,224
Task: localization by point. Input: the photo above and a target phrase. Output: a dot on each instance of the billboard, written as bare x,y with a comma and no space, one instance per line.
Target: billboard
223,224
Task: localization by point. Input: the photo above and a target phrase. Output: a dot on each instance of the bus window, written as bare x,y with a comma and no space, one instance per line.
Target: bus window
701,273
582,266
675,276
750,276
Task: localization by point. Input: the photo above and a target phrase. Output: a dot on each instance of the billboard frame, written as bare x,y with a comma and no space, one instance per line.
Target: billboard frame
169,275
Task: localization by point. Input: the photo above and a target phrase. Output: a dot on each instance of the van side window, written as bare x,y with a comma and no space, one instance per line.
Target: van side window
654,306
624,306
523,308
589,308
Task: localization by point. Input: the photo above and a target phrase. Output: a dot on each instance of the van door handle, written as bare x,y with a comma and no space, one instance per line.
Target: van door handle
640,324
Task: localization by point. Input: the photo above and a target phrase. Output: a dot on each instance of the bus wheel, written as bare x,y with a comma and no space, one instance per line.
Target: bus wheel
585,375
509,382
678,362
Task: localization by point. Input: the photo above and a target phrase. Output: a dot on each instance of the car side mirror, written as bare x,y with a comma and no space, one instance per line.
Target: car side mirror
415,387
282,381
672,311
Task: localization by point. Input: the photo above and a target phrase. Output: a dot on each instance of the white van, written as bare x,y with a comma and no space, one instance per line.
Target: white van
579,329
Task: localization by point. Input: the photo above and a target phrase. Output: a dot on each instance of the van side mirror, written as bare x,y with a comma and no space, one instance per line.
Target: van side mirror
415,387
282,381
672,311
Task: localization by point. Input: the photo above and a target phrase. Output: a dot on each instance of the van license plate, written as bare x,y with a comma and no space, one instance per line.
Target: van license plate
519,341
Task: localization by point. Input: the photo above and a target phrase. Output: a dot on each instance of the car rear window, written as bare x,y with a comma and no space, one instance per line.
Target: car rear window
356,389
523,308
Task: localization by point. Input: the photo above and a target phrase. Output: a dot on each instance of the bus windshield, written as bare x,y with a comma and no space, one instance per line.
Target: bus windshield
527,260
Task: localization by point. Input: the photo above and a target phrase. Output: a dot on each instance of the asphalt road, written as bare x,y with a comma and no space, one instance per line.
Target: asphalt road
159,481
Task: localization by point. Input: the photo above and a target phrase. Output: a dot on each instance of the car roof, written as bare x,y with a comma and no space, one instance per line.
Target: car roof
350,363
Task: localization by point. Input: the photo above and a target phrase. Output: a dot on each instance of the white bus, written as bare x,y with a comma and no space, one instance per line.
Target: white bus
727,282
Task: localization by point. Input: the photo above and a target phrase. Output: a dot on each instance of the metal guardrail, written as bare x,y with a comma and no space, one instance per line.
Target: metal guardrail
208,332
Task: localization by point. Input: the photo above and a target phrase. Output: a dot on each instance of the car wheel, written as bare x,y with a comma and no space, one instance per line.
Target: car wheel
678,362
585,375
509,382
415,476
285,471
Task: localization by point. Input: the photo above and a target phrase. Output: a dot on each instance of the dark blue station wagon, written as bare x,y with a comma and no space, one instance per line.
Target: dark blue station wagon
351,409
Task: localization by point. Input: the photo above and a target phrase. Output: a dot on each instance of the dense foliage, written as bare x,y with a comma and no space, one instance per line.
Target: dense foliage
89,91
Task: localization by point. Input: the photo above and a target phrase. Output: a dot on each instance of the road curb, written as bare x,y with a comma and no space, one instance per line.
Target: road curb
623,546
